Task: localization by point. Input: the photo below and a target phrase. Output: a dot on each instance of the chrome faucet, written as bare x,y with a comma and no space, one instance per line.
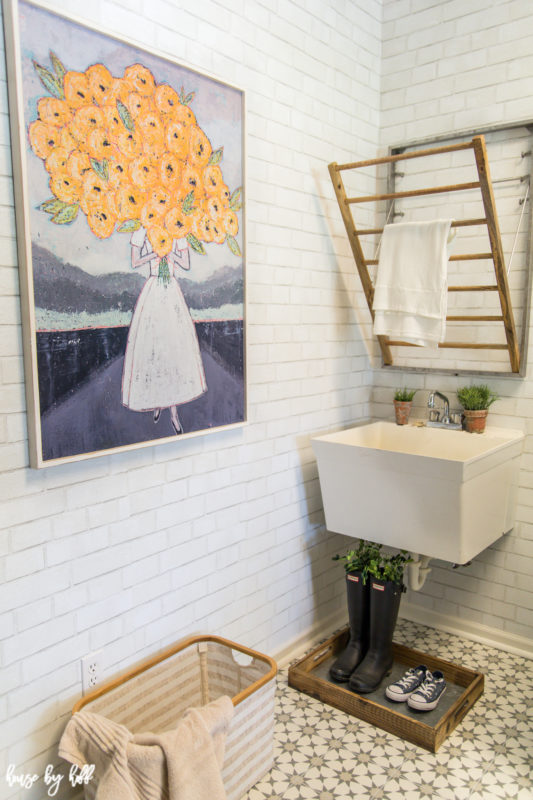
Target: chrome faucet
446,421
431,404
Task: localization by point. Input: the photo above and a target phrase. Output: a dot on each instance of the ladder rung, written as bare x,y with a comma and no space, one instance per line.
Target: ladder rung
456,345
462,223
465,257
479,318
470,257
491,288
455,224
456,187
432,151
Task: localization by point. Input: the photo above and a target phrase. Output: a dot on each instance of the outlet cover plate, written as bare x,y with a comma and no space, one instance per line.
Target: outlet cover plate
91,671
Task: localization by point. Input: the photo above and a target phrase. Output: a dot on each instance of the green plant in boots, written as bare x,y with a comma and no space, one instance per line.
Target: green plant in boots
385,592
357,564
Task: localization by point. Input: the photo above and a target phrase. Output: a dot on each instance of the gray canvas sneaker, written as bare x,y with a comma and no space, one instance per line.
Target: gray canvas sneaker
429,694
404,687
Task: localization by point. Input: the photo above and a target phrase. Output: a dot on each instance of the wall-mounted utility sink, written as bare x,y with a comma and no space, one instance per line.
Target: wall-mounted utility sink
441,493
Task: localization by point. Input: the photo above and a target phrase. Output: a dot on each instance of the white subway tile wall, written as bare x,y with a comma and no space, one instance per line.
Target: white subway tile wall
222,533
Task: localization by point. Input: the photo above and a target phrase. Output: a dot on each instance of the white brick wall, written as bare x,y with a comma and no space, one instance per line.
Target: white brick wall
446,67
221,533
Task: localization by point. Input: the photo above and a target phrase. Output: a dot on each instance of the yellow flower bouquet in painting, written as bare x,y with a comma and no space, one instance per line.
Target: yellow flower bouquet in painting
129,152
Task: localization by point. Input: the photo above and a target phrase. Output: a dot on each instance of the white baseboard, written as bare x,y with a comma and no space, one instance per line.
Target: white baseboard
501,640
493,637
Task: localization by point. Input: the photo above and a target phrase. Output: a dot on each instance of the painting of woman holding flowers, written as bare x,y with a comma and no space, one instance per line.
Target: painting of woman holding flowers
129,171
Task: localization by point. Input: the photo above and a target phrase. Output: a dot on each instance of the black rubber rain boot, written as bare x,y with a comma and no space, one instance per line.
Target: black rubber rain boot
385,599
359,619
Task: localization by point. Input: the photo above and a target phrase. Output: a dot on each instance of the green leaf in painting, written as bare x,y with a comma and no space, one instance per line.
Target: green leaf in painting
52,206
233,245
235,201
195,244
67,215
59,69
163,272
187,100
125,115
129,226
101,168
49,81
216,155
188,203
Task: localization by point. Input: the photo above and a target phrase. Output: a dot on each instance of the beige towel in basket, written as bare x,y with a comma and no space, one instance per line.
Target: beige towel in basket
181,764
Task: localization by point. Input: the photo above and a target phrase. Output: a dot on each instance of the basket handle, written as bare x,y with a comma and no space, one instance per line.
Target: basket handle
243,660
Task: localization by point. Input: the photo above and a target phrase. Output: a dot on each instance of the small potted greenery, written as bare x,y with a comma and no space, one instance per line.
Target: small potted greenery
362,559
389,568
476,401
403,401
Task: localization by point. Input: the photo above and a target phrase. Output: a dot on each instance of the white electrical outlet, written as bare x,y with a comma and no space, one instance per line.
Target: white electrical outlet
91,669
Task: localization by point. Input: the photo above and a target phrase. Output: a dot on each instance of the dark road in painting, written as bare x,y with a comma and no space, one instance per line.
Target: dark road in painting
89,416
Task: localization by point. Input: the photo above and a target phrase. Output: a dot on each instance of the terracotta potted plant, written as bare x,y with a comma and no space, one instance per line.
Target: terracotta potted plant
476,401
403,400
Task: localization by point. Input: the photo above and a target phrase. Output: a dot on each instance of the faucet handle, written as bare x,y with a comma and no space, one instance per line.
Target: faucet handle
431,399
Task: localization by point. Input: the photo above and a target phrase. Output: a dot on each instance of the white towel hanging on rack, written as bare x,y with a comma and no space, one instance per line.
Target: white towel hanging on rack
410,297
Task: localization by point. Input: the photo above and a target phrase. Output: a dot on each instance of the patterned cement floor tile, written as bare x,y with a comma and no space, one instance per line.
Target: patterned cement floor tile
322,753
506,783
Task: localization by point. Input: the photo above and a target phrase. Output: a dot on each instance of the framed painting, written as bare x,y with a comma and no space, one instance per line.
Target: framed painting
129,173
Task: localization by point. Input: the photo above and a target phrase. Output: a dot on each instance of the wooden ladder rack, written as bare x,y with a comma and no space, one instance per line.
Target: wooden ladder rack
477,144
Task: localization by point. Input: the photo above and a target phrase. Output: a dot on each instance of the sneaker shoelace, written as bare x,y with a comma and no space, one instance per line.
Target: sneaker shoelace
408,679
428,687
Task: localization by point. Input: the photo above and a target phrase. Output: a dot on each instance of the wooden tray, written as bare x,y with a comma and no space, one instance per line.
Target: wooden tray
427,729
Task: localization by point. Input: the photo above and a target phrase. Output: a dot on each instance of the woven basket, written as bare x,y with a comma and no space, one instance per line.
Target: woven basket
153,696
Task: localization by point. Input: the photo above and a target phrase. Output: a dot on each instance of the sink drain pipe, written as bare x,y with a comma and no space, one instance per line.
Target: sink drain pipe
417,571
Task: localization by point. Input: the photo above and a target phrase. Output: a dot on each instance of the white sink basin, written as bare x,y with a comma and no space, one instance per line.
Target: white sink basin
440,493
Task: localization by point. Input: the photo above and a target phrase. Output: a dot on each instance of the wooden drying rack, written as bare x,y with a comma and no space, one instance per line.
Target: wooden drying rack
477,144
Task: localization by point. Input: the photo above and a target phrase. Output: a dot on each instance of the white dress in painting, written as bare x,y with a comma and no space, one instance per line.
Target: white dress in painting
162,366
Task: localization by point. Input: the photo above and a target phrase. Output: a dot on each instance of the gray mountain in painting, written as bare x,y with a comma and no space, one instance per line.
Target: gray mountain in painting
60,286
226,285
